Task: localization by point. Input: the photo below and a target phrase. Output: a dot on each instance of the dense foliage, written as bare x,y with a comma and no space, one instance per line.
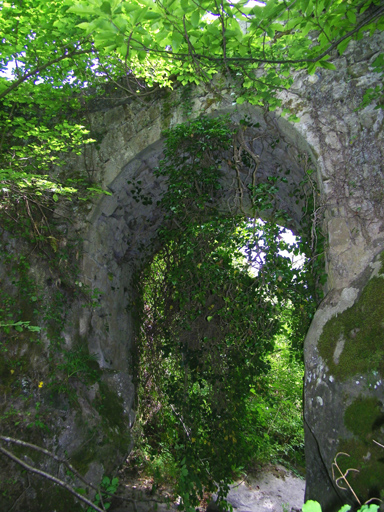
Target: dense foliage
39,122
215,298
256,43
51,50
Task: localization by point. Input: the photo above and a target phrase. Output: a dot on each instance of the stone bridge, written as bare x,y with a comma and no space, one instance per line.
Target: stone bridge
344,354
344,146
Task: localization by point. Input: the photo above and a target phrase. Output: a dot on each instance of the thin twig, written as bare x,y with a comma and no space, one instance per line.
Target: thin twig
52,478
69,466
344,476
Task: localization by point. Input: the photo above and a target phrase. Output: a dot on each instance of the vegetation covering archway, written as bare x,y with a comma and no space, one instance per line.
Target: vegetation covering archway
252,50
214,299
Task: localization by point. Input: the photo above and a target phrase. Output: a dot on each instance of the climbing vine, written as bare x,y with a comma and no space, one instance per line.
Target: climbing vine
214,298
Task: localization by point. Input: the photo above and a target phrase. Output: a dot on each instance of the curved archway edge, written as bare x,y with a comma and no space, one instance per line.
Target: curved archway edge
345,146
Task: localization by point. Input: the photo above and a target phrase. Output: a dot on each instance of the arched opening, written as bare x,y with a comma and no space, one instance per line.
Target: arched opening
262,172
124,227
218,298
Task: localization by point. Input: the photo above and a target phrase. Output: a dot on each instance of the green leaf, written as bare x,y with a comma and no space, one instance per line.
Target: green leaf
84,25
327,65
177,40
369,507
81,9
106,7
343,45
195,18
378,63
311,506
351,16
33,328
130,7
309,9
151,15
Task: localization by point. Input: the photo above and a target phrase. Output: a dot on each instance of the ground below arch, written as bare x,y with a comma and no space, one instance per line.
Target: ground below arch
269,488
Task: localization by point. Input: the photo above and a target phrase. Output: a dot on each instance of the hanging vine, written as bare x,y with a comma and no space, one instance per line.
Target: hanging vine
213,299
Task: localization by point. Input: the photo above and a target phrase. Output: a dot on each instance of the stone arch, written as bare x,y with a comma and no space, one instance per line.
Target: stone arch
344,357
125,223
346,144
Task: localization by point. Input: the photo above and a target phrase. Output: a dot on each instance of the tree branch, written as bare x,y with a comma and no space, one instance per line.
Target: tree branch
52,478
39,69
184,56
69,466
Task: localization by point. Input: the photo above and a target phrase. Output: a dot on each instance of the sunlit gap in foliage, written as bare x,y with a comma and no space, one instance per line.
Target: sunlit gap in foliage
9,70
210,17
289,248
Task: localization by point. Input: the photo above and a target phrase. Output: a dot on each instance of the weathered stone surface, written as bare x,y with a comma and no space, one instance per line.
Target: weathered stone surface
344,147
344,384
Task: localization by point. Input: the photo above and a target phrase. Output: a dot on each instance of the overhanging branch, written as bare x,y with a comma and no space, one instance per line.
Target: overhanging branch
39,69
253,60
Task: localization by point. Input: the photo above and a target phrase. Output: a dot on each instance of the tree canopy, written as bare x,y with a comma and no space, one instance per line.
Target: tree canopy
194,40
67,43
51,51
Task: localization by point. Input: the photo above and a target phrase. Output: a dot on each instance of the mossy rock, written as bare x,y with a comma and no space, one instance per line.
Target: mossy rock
83,457
114,438
352,342
115,425
368,461
364,418
54,497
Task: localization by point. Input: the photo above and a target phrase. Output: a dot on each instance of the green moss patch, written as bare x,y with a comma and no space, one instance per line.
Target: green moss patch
110,407
111,444
114,421
368,459
364,417
360,332
57,498
83,457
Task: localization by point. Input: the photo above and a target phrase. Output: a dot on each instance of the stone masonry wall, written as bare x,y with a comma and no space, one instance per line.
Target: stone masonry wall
342,143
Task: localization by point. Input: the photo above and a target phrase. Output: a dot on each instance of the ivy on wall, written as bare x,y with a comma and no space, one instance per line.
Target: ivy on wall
214,298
